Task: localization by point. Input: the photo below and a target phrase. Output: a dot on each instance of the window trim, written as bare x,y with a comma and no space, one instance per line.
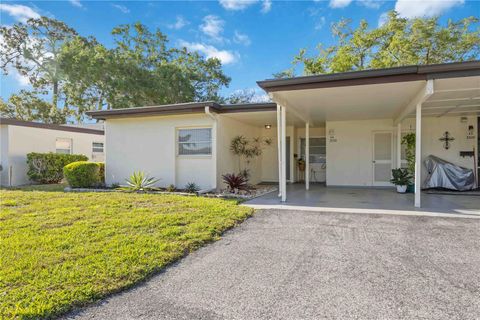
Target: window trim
312,137
103,147
71,145
193,156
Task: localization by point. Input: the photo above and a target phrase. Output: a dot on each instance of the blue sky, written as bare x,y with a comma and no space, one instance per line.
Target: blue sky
254,39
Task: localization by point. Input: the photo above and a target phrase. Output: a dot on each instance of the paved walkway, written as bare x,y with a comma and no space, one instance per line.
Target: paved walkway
309,265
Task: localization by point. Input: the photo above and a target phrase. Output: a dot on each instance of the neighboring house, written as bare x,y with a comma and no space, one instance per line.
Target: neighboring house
348,126
18,138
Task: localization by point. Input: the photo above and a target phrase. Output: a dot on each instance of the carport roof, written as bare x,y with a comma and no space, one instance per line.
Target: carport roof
375,76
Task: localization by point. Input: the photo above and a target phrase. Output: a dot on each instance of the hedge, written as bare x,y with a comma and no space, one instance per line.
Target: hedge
48,167
84,174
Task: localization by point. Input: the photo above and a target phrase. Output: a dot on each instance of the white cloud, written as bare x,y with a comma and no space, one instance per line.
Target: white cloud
236,5
19,12
320,23
339,3
179,23
122,8
241,38
266,6
20,78
76,3
225,56
383,19
430,8
212,26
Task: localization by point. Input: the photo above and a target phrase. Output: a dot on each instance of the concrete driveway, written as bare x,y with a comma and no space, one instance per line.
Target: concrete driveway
308,265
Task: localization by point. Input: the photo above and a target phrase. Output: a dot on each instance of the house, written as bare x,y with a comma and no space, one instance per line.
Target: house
347,126
18,138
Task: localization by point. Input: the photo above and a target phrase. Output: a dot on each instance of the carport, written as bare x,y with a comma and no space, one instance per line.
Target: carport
365,114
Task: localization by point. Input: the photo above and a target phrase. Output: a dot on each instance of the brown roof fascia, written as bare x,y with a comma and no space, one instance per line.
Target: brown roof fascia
171,109
22,123
375,76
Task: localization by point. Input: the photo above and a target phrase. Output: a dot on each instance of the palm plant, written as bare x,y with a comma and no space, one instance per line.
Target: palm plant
139,181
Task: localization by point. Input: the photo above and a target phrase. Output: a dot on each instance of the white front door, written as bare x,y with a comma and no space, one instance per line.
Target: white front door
382,158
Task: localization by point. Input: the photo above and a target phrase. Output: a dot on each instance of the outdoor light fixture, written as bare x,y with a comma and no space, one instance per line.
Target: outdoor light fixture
268,126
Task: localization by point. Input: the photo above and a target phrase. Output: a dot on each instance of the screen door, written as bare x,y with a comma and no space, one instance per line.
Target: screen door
382,158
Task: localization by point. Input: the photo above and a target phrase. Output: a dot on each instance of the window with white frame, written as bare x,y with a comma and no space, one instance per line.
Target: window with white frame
318,150
194,141
63,145
97,147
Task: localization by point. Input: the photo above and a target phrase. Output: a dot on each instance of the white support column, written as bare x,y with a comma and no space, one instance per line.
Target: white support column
399,145
418,155
284,155
307,156
279,148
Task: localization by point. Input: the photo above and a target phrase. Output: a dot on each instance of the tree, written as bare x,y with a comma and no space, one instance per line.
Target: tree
140,70
81,74
33,50
397,42
29,107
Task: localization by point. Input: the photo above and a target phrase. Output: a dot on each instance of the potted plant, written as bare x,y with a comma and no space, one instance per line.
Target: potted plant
401,178
301,164
409,142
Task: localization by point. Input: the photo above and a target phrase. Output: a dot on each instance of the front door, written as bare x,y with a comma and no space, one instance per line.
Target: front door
382,158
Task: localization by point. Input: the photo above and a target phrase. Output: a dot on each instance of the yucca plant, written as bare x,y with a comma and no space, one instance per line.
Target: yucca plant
191,187
236,182
139,181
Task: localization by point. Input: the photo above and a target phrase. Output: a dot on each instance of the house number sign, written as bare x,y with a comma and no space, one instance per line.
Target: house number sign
446,140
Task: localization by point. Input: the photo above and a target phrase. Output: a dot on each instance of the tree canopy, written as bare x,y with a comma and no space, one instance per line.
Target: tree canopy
397,42
81,74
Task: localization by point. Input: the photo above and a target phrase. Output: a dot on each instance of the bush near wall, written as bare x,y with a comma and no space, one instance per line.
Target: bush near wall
84,174
48,167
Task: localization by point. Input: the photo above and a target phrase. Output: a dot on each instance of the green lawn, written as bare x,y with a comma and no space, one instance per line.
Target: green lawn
59,250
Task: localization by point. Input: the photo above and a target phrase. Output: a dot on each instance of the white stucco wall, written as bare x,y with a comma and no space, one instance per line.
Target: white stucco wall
228,128
149,144
433,129
349,159
23,140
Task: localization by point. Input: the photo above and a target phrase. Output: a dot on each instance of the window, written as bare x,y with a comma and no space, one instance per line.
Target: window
97,147
318,150
195,141
63,145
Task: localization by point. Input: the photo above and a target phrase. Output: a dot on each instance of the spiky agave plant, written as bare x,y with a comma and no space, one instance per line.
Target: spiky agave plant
139,181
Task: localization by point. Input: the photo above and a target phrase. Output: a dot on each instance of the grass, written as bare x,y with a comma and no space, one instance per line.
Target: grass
61,250
39,187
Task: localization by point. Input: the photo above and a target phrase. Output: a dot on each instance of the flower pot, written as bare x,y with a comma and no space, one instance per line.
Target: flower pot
401,189
411,188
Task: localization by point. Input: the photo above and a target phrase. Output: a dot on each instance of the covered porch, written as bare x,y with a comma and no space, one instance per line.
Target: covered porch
364,116
368,200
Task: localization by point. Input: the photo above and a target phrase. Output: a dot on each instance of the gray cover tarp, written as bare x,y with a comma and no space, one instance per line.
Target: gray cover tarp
443,174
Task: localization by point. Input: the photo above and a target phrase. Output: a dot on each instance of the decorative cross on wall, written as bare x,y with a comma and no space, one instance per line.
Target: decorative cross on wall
446,140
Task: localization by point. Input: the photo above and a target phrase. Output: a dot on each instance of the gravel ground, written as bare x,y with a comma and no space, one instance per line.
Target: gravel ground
308,265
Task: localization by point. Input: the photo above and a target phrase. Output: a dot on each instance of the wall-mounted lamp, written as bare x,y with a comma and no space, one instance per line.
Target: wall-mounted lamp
268,126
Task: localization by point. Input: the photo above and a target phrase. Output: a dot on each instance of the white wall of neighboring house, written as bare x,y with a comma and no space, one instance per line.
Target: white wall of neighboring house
149,144
18,141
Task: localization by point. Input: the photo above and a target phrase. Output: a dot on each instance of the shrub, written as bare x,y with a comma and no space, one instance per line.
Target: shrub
171,188
48,167
139,181
191,187
101,172
82,174
236,182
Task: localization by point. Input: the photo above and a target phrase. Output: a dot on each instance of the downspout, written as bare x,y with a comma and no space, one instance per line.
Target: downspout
214,145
